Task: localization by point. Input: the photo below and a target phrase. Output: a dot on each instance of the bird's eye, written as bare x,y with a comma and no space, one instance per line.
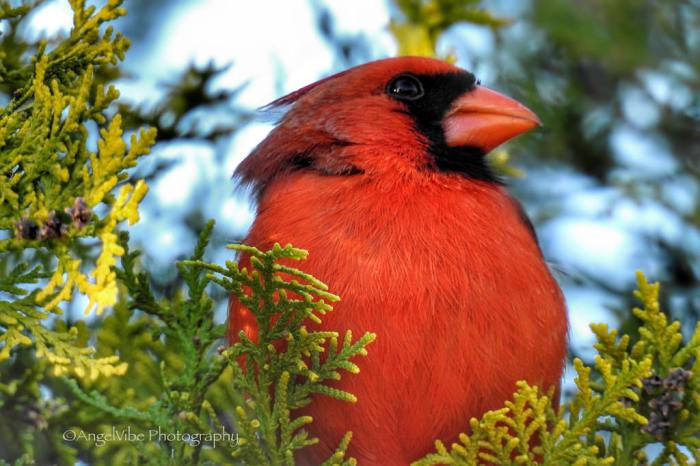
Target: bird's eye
405,87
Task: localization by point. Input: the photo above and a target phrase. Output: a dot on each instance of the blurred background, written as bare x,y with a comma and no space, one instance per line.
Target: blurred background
611,181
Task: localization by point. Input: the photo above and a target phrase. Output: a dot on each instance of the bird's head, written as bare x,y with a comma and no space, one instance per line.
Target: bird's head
407,116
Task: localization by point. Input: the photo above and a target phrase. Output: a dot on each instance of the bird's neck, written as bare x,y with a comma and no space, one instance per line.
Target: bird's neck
398,207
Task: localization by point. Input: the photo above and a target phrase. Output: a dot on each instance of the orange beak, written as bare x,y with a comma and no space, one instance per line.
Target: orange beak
486,119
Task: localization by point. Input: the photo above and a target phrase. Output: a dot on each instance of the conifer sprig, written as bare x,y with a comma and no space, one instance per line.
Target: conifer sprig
639,392
285,363
56,191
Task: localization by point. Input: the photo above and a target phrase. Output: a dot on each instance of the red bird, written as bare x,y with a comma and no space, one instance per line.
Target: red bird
380,172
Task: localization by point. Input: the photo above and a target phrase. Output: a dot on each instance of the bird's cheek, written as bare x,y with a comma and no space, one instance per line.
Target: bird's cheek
365,120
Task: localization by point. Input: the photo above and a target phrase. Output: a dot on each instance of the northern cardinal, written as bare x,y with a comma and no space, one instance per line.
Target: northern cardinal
379,172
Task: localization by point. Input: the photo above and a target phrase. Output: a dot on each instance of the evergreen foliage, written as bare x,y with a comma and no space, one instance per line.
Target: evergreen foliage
641,391
57,192
202,403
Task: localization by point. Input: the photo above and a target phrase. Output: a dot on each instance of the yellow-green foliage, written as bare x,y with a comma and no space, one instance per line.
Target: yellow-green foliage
55,190
184,381
282,299
423,21
636,394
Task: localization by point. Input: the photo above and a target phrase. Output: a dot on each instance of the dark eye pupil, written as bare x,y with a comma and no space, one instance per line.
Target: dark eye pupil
407,87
